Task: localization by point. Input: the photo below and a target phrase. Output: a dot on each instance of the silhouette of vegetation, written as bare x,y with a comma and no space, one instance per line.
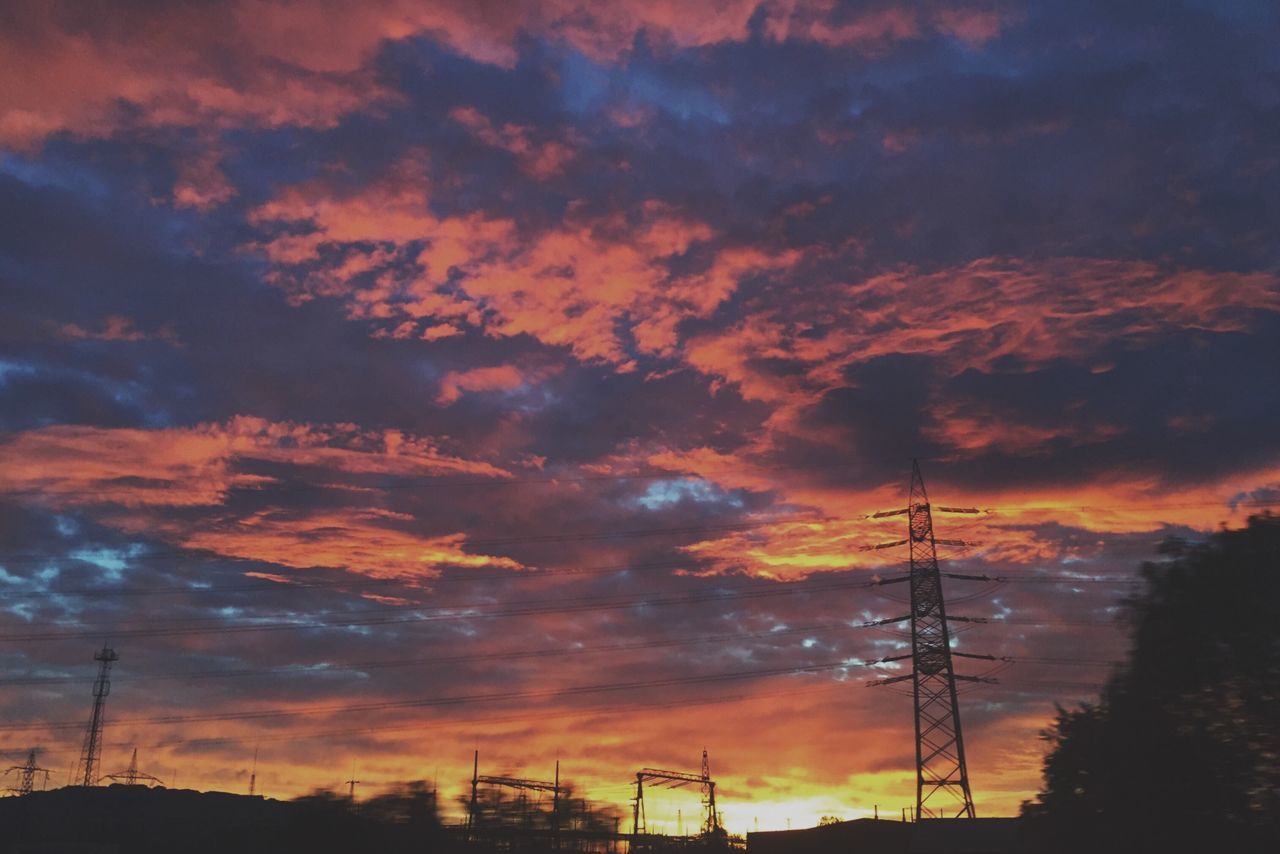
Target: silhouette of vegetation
1182,751
145,820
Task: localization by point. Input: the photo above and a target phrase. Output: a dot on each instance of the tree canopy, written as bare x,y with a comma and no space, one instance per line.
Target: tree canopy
1182,750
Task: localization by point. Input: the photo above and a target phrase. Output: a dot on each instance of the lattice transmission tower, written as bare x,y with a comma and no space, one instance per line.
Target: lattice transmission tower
27,775
131,776
942,775
91,754
940,762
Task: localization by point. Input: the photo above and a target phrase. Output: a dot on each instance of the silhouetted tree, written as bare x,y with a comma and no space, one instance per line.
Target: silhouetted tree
1182,752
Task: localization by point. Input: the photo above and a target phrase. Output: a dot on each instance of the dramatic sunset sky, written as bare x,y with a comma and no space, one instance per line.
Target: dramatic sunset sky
390,380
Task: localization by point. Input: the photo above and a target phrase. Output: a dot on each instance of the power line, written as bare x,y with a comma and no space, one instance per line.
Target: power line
410,481
502,696
325,668
271,585
275,585
448,613
294,736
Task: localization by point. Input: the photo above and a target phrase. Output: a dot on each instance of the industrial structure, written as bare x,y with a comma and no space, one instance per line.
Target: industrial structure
27,775
91,754
520,784
641,839
131,776
570,825
942,779
941,770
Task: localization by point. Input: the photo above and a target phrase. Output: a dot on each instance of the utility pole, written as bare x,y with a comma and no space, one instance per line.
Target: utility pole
637,814
91,754
475,785
351,785
521,785
555,808
27,775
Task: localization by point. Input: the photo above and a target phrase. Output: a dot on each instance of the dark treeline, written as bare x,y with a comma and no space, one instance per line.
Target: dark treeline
109,819
141,820
1182,750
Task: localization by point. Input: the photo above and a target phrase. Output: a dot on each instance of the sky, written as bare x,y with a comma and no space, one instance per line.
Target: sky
394,380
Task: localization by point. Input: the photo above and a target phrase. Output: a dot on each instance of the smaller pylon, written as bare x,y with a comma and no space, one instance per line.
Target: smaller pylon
351,784
131,776
27,775
253,775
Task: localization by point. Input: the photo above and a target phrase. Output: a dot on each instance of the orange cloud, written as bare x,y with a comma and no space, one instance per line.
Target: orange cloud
573,286
497,378
970,317
541,160
840,535
198,465
71,66
974,429
115,327
362,541
148,471
201,184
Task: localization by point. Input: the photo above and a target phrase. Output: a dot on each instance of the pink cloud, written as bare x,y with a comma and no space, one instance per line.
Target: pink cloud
70,66
188,466
573,286
115,327
542,160
497,378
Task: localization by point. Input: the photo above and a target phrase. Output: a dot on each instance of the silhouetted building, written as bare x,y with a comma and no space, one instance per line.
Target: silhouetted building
877,836
861,836
967,836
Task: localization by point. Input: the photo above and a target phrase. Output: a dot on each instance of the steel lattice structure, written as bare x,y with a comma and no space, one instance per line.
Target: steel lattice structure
131,776
518,783
940,762
27,775
91,754
710,825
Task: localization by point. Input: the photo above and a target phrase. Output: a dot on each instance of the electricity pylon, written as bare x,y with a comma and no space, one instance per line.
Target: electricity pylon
941,770
675,779
27,775
940,762
131,776
91,754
